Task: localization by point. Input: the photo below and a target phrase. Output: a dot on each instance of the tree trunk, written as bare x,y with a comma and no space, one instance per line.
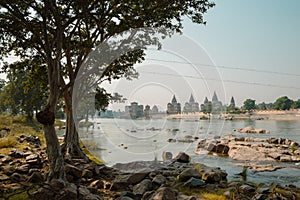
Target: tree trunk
71,145
56,161
55,158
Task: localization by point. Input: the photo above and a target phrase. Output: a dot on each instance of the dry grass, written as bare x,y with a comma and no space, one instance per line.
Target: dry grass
211,196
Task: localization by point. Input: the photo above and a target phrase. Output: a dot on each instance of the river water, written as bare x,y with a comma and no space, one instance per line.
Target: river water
124,140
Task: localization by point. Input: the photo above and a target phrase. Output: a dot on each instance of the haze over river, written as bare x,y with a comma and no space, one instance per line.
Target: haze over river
125,140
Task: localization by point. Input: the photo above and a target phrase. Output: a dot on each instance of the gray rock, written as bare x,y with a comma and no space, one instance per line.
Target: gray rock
247,189
194,182
182,157
142,187
159,180
164,193
188,173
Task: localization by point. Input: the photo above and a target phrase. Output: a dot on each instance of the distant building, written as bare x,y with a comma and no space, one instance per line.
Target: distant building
191,106
232,103
154,110
147,112
173,107
135,111
212,106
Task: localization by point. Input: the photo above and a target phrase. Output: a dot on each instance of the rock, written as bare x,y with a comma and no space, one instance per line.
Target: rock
8,170
4,177
166,155
98,184
142,187
6,159
247,189
87,173
220,149
187,174
211,177
285,158
164,193
159,180
136,177
73,171
16,154
23,169
194,182
182,157
30,139
259,197
17,177
36,177
33,159
250,129
127,196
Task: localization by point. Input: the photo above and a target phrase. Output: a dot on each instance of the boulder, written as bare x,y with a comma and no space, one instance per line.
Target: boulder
250,129
220,149
159,180
36,177
142,187
182,157
194,182
187,174
164,193
166,155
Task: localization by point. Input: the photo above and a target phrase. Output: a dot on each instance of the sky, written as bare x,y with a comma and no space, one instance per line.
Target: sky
247,49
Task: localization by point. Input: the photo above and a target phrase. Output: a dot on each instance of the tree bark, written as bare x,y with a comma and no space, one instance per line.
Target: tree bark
71,145
56,161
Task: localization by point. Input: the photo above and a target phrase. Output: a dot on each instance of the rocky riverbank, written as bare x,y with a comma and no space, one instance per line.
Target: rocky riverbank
253,150
24,171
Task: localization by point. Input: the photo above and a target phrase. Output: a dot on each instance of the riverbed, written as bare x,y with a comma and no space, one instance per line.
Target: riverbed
125,140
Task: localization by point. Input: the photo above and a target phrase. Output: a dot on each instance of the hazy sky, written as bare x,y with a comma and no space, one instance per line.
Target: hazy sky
255,46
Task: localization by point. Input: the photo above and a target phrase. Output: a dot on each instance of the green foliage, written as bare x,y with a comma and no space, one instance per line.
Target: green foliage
26,89
249,104
283,103
296,104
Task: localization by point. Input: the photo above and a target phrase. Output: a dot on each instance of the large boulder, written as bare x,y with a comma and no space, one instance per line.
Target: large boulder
182,157
250,129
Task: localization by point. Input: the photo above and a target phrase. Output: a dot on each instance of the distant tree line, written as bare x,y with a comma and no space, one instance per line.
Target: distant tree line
282,103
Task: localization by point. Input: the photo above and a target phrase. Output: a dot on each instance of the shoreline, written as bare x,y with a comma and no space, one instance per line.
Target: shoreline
254,115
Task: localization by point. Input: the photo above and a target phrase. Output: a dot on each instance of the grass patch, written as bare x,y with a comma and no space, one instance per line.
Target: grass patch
212,196
8,142
18,125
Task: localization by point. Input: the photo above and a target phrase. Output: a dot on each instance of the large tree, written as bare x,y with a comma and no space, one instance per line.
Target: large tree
283,103
249,104
63,33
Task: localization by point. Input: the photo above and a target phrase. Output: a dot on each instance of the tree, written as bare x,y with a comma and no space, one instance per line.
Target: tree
64,32
296,104
24,93
283,103
249,104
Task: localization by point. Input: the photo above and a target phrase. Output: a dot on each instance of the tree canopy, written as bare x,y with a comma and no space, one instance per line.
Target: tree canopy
283,103
249,104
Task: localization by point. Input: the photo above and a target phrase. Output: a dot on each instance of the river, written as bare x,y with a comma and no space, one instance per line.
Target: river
124,140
